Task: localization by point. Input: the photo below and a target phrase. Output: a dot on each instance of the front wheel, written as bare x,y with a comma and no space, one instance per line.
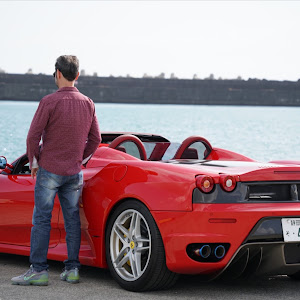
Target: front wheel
134,249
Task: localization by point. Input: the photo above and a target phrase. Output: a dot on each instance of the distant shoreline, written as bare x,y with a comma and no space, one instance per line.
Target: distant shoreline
28,87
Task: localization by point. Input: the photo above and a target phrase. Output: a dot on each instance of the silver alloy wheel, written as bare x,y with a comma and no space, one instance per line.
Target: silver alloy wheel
130,245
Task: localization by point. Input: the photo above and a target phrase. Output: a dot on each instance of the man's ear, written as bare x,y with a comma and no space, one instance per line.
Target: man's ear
77,76
59,74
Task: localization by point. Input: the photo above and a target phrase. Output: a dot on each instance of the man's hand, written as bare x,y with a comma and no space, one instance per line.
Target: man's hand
33,172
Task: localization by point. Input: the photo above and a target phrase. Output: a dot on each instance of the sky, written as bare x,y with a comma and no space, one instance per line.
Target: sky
250,39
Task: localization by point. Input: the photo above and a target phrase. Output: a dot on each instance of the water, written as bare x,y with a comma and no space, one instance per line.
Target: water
262,133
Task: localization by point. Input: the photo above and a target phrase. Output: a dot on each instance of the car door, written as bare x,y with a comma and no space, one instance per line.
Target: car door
16,207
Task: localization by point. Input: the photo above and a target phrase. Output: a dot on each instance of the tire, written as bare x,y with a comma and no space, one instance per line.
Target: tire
134,249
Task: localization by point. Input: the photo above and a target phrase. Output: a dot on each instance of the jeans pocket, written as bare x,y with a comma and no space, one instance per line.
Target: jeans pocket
76,181
47,179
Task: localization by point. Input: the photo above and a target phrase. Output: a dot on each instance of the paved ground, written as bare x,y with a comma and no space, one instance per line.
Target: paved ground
98,284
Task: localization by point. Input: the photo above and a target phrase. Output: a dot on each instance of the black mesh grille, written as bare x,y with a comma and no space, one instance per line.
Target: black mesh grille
273,192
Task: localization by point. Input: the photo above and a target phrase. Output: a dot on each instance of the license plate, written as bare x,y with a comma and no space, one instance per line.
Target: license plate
291,229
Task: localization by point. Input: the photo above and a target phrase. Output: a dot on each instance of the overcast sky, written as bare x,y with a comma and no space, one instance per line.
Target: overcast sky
251,39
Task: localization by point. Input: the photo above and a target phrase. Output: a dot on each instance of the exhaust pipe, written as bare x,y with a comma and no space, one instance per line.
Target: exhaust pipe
204,251
207,253
220,251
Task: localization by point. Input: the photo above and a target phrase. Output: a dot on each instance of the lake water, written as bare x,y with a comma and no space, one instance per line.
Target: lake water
262,133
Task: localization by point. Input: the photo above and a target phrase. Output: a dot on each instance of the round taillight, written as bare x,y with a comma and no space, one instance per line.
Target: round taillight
227,182
205,183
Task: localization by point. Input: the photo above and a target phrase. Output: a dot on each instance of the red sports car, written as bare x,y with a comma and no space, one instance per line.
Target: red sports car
151,210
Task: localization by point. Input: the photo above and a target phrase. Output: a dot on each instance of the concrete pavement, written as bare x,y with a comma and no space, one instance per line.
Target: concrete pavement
98,284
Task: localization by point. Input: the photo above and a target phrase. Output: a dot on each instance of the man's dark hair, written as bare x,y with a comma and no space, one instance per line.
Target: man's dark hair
68,65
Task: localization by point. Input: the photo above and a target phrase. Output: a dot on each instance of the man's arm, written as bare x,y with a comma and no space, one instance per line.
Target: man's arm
34,167
94,139
36,129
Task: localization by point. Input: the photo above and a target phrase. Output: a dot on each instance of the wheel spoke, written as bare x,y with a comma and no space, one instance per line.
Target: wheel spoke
121,237
138,226
143,244
123,229
138,260
143,240
135,262
121,259
141,249
132,223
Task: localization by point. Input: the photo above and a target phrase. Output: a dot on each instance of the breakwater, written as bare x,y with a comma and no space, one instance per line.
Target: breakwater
157,90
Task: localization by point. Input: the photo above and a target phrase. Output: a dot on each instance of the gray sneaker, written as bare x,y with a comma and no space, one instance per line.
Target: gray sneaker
71,276
31,277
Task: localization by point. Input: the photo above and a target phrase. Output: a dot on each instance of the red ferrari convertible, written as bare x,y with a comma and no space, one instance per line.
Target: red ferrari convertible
151,209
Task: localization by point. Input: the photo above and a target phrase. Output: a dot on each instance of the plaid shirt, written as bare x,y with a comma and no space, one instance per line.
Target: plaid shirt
67,123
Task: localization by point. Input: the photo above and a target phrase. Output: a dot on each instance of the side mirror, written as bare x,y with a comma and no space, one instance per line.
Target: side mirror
3,162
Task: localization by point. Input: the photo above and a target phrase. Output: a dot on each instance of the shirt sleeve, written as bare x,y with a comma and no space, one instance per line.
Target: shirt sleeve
94,138
34,163
86,159
35,132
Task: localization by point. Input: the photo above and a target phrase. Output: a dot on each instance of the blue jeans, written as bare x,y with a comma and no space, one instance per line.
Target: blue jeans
68,189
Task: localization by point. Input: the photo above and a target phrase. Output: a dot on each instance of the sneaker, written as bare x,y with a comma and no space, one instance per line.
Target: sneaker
31,277
71,276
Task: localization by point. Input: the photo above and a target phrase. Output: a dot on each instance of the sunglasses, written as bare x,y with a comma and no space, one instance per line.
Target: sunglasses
54,73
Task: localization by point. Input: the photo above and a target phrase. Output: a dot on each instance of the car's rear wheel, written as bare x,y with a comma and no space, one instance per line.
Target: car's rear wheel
134,249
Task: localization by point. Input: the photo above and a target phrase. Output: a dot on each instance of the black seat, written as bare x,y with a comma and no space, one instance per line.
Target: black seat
190,153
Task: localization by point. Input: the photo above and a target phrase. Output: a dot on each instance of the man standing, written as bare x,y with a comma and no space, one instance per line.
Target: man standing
67,123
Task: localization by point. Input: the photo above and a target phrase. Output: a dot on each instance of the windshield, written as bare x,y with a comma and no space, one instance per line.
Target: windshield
160,150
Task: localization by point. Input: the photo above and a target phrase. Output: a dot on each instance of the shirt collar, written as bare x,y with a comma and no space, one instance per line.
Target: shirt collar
68,89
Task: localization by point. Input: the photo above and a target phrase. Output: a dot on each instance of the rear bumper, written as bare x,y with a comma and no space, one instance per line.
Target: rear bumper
224,224
264,258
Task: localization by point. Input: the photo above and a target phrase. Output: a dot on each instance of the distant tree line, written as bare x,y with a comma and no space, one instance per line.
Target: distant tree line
160,76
